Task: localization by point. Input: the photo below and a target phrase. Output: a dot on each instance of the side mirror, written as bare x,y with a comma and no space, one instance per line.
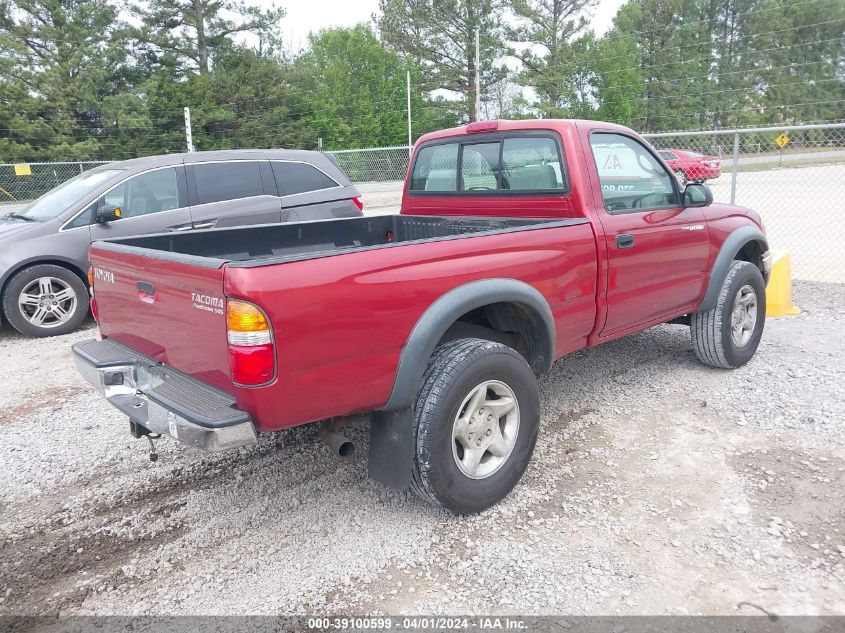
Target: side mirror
108,213
696,195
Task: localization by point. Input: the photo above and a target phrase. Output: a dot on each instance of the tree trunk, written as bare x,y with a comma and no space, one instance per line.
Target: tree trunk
202,47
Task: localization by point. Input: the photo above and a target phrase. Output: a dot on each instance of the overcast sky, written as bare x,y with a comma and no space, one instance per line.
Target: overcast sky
304,16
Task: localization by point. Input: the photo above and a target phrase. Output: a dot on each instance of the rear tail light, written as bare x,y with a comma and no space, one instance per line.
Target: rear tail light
252,354
358,203
93,302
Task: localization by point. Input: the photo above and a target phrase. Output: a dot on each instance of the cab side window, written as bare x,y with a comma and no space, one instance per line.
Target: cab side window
631,177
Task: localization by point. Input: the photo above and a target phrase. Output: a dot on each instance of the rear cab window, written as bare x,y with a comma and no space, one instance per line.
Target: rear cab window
491,164
436,168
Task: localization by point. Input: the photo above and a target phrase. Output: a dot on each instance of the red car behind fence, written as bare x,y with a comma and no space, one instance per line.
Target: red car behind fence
691,166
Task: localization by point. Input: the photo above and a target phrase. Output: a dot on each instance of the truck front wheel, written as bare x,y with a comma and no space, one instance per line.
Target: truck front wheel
728,335
476,419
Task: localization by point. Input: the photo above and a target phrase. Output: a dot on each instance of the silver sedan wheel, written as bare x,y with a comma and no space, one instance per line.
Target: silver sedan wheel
47,302
744,316
485,429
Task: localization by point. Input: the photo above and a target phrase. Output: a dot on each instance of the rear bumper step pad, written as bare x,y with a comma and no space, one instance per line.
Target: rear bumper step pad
162,399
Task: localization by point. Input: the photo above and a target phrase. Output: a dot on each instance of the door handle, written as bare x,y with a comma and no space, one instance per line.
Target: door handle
624,240
181,227
206,225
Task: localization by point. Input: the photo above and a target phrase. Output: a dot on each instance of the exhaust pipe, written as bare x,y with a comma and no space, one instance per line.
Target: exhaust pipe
340,445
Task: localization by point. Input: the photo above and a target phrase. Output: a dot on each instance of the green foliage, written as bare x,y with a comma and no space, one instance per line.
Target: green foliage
355,89
59,60
698,64
188,33
79,83
552,63
439,36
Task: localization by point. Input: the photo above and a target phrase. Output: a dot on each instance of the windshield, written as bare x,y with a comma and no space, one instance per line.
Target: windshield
66,194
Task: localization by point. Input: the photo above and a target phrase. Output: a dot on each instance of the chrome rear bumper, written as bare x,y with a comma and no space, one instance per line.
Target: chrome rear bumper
162,399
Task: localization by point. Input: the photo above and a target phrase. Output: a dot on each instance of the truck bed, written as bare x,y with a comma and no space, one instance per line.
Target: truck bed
278,243
342,297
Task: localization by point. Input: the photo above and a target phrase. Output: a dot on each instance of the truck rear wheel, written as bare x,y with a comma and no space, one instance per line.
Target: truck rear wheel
476,419
728,335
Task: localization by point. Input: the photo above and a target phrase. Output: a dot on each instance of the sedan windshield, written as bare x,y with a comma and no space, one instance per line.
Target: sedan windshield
66,194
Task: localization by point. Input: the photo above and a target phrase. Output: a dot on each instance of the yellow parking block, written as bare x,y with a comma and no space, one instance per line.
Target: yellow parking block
779,289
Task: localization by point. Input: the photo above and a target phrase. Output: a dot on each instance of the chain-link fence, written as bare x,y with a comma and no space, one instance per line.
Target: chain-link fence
379,174
793,176
26,181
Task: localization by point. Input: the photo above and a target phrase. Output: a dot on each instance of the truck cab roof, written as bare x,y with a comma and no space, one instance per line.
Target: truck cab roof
508,125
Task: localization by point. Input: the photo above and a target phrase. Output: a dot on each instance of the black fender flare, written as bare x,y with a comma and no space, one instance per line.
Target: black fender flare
730,247
391,451
441,314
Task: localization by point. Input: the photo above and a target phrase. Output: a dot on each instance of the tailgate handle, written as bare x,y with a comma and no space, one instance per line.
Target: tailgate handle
146,291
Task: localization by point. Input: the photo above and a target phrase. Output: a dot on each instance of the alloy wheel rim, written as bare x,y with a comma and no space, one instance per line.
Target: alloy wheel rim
485,429
744,316
47,302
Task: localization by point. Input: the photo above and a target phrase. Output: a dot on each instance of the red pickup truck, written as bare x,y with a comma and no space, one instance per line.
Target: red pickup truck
518,242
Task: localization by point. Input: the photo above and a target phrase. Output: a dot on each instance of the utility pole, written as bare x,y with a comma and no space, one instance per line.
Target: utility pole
477,74
188,138
410,142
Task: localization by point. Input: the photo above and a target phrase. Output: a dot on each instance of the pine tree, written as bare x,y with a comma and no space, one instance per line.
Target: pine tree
439,35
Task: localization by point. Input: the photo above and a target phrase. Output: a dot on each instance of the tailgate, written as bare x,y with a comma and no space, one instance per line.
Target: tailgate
173,312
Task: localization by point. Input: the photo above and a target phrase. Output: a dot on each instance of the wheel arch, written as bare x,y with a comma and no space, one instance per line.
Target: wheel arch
513,308
746,243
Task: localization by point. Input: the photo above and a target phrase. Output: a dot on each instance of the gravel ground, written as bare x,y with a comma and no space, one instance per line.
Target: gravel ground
658,486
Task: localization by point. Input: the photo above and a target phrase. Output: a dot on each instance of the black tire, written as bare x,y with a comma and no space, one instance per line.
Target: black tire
453,372
681,175
712,333
77,308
